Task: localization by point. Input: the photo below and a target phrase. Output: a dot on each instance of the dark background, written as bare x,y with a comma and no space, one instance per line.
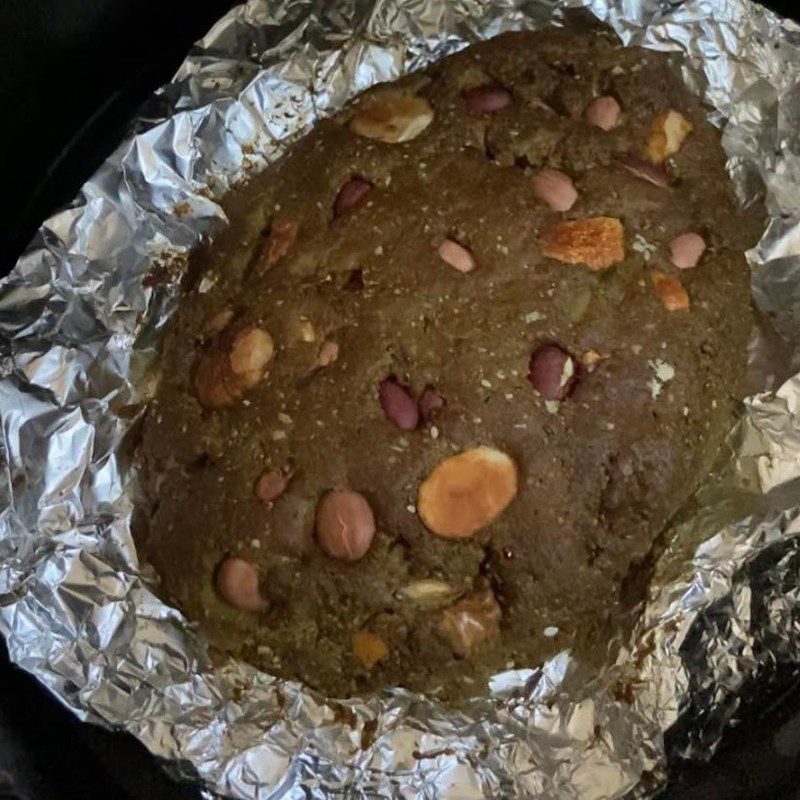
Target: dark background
72,73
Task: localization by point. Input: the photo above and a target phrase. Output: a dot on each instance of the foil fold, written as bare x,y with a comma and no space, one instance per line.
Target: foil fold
80,317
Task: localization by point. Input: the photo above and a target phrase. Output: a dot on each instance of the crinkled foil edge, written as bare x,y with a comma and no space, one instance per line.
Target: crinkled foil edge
79,327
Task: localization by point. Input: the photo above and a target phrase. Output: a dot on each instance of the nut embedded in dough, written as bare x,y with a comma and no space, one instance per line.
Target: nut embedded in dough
597,242
345,525
465,492
392,118
369,648
670,291
282,237
233,363
667,135
686,250
237,581
471,621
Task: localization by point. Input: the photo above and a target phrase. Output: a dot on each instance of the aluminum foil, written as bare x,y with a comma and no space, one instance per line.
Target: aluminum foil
80,317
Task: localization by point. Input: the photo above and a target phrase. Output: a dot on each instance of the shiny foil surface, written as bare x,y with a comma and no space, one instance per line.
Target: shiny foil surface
80,320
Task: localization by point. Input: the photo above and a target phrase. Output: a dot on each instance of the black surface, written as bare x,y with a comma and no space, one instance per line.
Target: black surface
72,73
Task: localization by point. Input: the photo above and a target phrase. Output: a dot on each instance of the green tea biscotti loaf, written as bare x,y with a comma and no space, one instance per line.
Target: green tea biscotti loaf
430,401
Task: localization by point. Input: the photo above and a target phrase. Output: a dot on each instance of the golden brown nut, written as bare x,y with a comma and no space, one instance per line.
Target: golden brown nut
666,135
392,117
465,492
471,621
369,648
597,242
670,291
233,363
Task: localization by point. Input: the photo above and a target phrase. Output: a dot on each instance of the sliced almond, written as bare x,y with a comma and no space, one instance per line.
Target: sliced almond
465,492
667,134
392,117
428,591
369,648
597,242
670,291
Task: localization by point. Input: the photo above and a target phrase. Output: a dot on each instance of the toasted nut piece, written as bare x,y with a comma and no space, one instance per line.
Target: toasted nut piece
471,621
603,112
345,525
233,363
328,353
591,357
369,648
393,117
305,330
428,591
237,581
555,188
465,492
642,168
666,135
350,195
596,242
430,403
686,250
398,403
271,485
489,97
456,255
281,238
552,372
670,291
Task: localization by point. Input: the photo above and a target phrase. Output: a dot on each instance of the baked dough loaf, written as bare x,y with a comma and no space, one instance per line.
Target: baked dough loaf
429,403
